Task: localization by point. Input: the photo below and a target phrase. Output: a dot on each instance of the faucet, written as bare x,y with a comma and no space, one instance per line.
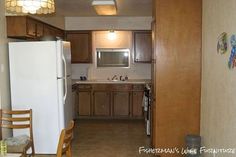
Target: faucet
114,77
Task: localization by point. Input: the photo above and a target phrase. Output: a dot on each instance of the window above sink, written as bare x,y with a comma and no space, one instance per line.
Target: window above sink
113,58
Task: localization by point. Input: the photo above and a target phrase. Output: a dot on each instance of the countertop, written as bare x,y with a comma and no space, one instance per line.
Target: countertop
131,81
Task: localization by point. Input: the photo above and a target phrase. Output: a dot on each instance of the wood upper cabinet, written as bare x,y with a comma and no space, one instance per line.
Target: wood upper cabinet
81,46
52,31
121,103
101,103
34,28
142,43
23,27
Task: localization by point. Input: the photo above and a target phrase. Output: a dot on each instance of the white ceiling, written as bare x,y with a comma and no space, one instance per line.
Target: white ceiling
84,8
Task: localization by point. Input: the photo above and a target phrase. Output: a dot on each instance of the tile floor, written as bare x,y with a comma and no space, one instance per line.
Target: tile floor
109,138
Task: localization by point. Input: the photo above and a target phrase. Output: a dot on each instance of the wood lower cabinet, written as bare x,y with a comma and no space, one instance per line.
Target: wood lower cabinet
110,101
101,103
137,102
121,103
84,106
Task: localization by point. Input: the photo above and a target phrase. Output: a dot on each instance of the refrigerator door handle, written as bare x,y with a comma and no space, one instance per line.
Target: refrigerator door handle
65,78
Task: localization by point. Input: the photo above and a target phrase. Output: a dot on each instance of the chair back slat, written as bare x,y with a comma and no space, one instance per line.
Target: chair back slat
15,126
16,119
15,112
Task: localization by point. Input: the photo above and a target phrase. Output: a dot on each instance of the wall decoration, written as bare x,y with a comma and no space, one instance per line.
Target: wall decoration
232,58
222,45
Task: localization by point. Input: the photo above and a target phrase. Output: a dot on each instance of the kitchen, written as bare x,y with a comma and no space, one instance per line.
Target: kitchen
162,43
105,87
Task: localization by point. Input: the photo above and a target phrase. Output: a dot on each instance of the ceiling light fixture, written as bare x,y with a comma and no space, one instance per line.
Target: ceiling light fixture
105,7
30,6
111,35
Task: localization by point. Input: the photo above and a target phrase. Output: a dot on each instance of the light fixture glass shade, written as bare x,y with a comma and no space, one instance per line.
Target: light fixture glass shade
105,7
111,35
30,6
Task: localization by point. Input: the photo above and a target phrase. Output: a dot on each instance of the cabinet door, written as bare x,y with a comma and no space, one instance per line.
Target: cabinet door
101,103
52,31
34,28
121,101
48,31
31,26
39,28
81,46
142,46
137,104
84,108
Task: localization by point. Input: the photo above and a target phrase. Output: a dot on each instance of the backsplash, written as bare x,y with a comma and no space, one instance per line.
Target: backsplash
123,40
136,71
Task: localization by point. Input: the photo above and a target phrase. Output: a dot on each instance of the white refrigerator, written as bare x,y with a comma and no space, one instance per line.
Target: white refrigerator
40,78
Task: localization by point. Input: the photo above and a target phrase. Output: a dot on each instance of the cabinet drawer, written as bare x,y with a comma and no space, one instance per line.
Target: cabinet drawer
123,87
101,87
84,87
138,87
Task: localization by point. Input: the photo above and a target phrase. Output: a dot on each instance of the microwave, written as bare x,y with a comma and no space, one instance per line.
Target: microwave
112,57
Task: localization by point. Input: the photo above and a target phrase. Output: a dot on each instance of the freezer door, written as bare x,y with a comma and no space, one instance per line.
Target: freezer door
67,56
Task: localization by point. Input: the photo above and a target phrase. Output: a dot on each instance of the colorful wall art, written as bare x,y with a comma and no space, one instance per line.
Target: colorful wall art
232,58
222,45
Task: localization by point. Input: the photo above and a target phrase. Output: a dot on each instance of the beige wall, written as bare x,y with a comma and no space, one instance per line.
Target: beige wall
57,21
123,40
218,110
104,23
4,72
4,69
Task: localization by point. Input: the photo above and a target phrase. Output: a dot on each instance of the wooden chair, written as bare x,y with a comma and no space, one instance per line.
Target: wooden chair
18,119
64,144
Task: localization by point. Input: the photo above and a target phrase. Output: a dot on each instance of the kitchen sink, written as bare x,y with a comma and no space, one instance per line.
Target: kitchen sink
109,81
